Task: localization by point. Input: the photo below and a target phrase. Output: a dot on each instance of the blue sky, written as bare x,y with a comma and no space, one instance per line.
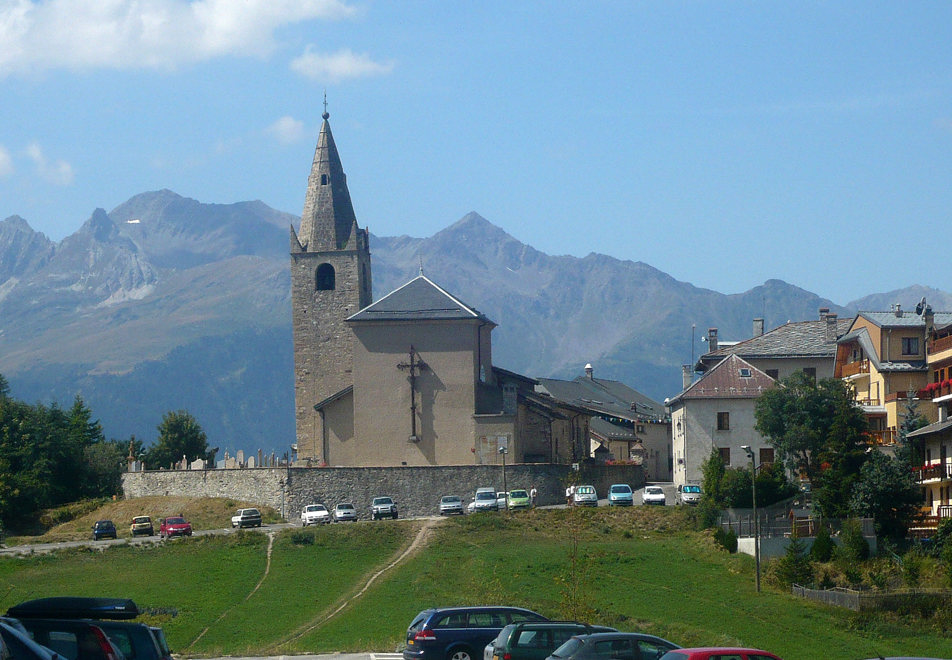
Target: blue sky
724,143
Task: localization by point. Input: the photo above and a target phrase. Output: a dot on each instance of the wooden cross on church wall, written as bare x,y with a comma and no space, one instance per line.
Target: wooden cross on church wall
414,366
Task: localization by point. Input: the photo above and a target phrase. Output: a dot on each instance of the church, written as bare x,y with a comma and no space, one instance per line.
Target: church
408,379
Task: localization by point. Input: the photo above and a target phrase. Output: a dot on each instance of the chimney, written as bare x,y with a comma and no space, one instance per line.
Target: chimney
831,328
686,376
589,371
712,339
898,311
943,412
929,317
758,327
823,312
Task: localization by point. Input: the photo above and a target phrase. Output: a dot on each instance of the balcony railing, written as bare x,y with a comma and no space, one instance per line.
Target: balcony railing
934,391
853,368
940,344
937,472
886,437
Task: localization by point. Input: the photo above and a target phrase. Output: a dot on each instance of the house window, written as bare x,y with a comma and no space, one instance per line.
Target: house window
640,428
910,346
773,373
725,453
766,456
323,179
324,279
723,421
745,372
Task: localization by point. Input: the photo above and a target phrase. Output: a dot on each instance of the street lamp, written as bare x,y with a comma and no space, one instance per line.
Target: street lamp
753,485
504,450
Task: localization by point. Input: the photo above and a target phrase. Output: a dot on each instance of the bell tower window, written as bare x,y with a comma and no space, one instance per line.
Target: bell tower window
324,279
323,179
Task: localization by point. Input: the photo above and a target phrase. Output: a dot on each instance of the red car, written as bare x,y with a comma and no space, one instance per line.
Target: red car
175,526
723,653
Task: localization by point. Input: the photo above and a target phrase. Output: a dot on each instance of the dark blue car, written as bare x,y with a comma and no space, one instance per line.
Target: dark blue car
459,633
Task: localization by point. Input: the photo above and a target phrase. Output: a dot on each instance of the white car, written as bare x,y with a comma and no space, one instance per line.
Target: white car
585,496
652,495
450,504
315,514
345,511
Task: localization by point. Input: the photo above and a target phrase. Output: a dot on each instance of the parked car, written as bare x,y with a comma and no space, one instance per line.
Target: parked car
16,644
176,526
652,495
620,495
87,628
104,529
689,494
535,640
142,525
450,504
614,645
345,511
459,633
518,499
719,653
501,498
485,500
585,496
315,514
246,518
383,507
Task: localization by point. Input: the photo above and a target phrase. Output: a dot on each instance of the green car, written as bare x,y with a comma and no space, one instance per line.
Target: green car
518,499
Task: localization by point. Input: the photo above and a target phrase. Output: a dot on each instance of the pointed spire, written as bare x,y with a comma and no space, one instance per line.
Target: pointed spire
328,219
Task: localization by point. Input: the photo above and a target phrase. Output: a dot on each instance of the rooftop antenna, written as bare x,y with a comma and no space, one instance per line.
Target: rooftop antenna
325,115
421,264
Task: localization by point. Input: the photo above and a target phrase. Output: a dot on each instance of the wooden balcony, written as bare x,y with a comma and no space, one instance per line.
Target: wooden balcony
932,391
940,345
876,438
937,472
854,368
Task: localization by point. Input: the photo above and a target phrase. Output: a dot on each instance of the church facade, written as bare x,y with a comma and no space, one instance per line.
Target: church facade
408,379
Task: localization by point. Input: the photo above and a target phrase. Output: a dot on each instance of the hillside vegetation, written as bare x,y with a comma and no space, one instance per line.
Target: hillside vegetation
635,569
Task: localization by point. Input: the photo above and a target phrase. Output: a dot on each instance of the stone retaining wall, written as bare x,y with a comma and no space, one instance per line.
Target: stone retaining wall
417,490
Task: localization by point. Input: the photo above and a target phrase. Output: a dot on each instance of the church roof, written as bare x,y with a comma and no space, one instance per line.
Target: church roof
418,300
328,220
607,397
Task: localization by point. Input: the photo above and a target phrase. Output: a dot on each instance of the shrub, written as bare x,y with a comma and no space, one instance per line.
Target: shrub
726,539
823,546
794,566
301,537
853,547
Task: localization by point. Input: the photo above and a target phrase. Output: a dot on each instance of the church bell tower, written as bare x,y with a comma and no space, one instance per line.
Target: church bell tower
330,280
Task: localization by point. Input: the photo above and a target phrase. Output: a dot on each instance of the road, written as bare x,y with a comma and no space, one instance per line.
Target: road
670,491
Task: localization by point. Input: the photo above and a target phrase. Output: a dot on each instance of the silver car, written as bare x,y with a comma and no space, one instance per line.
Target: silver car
345,511
450,504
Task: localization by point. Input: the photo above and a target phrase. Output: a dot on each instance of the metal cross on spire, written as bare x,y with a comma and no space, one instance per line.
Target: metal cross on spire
414,366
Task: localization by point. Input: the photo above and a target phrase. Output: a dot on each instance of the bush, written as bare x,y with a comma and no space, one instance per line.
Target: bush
853,547
726,539
301,537
823,546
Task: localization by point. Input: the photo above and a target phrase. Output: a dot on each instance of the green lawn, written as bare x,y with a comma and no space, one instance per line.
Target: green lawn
635,569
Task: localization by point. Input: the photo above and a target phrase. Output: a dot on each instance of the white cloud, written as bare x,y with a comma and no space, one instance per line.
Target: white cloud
287,130
6,162
131,34
59,172
337,66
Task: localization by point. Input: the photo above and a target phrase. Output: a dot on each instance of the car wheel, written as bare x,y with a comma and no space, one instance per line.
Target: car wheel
460,654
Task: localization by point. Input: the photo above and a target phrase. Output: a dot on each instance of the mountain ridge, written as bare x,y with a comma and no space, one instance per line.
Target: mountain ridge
167,303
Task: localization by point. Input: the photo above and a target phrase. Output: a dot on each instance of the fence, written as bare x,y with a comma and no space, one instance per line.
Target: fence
775,524
860,601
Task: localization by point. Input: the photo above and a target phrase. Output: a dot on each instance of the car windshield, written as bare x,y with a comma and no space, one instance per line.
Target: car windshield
621,489
315,507
141,519
485,496
692,489
585,490
175,521
252,512
383,500
344,507
518,493
653,490
450,499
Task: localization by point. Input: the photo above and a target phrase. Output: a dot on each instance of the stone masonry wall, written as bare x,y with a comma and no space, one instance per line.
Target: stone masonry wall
416,490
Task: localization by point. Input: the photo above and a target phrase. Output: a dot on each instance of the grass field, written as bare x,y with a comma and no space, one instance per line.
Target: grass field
635,569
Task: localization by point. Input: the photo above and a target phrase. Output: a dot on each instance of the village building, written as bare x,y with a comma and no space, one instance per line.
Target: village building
625,426
408,379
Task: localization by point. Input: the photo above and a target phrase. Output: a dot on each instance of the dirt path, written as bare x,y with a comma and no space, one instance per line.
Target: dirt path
267,569
418,542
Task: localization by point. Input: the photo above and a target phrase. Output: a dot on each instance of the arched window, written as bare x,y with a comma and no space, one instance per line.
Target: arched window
324,278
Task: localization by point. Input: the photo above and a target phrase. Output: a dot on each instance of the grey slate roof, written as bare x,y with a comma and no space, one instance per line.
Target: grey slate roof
418,300
605,429
907,319
724,381
799,339
936,427
608,397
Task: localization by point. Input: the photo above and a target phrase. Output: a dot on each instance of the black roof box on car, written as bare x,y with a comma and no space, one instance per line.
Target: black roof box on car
75,607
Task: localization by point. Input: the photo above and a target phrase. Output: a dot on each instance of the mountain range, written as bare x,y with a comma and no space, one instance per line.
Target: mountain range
166,303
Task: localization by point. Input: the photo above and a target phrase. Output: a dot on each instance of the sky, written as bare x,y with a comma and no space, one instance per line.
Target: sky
724,143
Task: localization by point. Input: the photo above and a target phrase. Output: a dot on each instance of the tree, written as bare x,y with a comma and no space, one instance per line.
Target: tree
912,420
180,435
817,430
886,492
